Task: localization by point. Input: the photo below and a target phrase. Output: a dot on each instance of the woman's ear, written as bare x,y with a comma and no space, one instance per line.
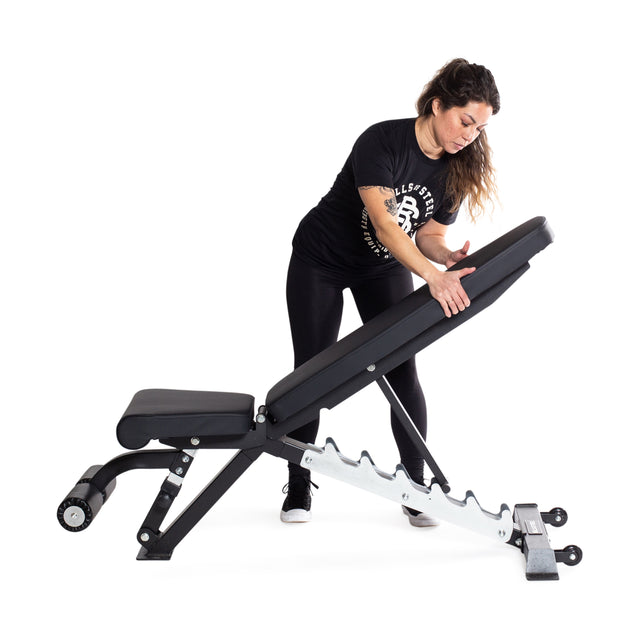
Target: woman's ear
436,106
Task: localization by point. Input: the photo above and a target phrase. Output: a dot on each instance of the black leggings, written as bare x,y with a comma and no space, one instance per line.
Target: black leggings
315,302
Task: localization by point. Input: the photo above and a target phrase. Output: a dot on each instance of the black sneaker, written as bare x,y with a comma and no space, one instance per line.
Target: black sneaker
297,504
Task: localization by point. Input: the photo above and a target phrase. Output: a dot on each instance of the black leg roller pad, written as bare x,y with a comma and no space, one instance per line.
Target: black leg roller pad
82,503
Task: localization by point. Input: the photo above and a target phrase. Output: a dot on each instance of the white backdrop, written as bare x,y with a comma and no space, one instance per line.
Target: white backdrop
155,159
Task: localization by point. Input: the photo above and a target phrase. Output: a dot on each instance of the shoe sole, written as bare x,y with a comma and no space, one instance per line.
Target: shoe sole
422,520
295,516
414,521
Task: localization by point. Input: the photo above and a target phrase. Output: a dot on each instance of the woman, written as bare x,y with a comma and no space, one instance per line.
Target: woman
403,178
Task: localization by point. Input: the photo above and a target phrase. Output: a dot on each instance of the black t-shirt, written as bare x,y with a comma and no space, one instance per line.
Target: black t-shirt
338,235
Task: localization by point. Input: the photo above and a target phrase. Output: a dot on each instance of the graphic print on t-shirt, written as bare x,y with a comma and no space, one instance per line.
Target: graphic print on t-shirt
413,211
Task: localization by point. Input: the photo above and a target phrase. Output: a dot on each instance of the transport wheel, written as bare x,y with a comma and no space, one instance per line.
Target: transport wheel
574,555
559,517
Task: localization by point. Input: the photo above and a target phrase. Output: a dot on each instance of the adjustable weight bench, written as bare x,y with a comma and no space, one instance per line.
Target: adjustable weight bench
186,421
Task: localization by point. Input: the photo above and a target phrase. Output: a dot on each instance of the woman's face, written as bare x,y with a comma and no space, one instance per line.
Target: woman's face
458,127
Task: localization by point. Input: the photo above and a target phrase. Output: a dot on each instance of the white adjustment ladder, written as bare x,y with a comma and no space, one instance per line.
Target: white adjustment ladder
399,487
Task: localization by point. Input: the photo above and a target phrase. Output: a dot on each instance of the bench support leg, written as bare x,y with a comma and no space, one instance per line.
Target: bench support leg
150,529
161,547
539,556
530,535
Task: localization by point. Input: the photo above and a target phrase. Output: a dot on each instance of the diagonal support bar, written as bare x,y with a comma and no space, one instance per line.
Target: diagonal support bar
412,431
162,547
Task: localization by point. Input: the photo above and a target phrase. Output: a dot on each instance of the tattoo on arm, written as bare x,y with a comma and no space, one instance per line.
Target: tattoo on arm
390,202
383,190
392,206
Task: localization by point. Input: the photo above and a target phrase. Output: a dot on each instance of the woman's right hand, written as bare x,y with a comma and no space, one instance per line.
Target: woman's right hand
446,288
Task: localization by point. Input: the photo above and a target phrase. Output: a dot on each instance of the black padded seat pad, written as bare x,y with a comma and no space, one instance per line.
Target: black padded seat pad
171,413
324,373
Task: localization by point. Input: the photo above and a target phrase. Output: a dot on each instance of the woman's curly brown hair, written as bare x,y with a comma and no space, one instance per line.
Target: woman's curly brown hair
471,174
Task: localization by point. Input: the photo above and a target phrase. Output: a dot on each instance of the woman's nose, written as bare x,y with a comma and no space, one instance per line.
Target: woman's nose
470,136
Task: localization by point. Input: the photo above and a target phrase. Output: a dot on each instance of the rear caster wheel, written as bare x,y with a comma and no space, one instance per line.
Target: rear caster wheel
572,555
556,517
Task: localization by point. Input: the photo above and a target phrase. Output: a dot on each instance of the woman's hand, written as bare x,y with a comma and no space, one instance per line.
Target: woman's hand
456,256
445,287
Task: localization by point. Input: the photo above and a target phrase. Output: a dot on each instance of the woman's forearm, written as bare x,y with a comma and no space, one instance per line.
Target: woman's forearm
434,247
403,249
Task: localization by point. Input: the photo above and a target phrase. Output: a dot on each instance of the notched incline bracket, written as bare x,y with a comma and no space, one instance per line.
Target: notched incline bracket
399,487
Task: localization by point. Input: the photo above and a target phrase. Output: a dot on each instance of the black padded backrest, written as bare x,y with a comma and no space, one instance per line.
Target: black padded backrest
399,325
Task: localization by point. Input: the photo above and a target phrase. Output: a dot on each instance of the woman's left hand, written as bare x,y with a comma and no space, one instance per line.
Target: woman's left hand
456,256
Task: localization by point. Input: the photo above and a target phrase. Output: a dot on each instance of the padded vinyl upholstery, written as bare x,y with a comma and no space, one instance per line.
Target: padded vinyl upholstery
337,372
170,413
390,330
